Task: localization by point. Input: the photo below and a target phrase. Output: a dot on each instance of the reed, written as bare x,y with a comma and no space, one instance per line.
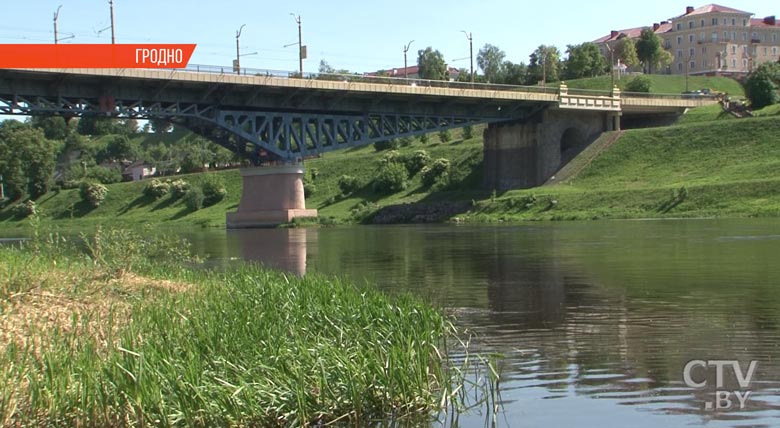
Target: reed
153,345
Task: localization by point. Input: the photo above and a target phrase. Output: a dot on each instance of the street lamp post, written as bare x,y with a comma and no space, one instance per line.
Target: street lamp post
611,64
56,15
113,35
300,43
237,65
687,71
406,49
471,52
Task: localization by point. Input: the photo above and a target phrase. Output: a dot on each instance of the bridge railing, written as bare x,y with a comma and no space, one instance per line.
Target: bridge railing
670,96
388,80
362,78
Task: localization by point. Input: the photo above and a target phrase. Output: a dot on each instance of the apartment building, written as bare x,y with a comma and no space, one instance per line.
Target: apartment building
712,39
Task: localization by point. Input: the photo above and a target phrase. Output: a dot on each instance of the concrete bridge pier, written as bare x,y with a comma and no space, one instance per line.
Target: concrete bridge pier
521,155
272,195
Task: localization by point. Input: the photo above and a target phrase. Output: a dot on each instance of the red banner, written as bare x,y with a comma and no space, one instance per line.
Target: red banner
96,56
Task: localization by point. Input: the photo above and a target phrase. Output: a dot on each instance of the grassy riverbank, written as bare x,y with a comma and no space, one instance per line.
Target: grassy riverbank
708,165
118,336
665,84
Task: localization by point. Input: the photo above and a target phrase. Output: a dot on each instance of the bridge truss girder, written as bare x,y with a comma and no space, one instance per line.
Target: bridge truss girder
276,134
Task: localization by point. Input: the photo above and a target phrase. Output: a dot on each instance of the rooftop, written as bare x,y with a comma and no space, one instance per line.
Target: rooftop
769,22
710,8
633,33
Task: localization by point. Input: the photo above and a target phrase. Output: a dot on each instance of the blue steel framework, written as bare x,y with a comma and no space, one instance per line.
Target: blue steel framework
270,135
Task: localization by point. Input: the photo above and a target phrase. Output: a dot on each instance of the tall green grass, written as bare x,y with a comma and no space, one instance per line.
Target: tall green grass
244,347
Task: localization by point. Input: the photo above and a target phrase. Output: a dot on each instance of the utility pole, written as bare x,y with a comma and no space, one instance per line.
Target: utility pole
471,52
113,35
406,49
301,48
56,15
687,71
611,64
237,64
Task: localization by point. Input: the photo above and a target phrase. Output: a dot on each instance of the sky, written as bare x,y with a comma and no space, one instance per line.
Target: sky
358,36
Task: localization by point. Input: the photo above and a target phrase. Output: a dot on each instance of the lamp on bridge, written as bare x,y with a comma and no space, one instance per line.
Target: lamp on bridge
406,49
471,52
237,62
56,33
611,65
301,47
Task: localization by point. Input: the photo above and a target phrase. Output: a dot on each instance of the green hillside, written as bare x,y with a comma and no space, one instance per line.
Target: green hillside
703,167
665,84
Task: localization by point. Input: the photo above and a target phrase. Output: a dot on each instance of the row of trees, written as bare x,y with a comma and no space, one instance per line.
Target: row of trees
93,149
545,64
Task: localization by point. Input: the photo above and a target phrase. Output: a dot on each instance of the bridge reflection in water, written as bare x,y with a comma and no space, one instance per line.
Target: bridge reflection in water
593,322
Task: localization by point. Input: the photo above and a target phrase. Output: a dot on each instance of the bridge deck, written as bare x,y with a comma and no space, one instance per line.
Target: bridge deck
357,84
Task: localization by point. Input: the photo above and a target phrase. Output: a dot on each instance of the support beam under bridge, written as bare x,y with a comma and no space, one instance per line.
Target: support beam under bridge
271,195
525,154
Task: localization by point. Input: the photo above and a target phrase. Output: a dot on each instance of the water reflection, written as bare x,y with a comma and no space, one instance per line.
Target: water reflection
594,322
284,249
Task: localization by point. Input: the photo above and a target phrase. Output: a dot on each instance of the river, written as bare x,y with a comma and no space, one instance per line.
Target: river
594,322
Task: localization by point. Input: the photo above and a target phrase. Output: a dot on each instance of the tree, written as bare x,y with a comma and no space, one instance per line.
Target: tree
118,148
431,64
663,59
126,126
491,60
584,60
325,68
649,49
544,65
625,51
761,86
514,74
27,159
161,126
53,127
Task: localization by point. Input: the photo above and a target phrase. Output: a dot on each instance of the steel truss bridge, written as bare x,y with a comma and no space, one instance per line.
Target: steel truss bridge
267,116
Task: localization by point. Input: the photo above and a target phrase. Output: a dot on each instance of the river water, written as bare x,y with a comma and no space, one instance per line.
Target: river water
593,322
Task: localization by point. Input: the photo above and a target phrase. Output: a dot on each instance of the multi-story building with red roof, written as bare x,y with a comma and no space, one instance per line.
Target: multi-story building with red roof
712,39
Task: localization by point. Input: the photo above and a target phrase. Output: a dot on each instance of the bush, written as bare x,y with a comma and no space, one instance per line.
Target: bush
92,193
24,210
193,200
213,190
392,156
416,161
639,84
309,189
424,139
435,172
468,132
70,184
386,145
391,178
445,136
179,188
104,175
157,188
348,184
